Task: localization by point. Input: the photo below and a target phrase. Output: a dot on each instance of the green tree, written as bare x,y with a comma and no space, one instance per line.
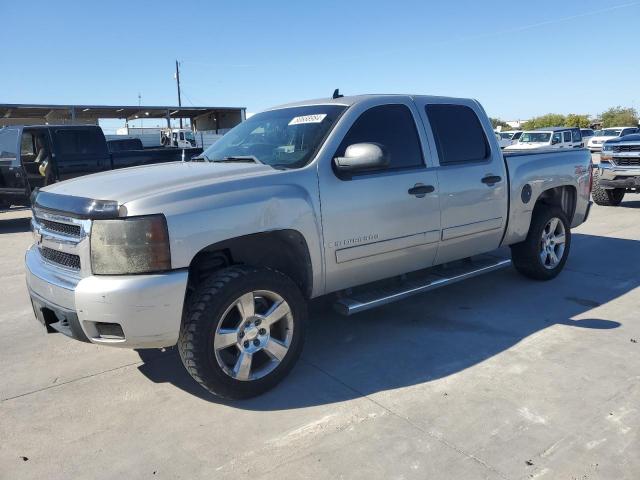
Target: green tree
575,120
619,117
496,122
543,121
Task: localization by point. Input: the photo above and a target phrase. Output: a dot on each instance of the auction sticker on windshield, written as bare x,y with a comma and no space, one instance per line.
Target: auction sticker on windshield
308,119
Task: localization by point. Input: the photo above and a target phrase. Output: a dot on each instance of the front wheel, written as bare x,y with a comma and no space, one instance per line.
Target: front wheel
243,331
544,252
607,198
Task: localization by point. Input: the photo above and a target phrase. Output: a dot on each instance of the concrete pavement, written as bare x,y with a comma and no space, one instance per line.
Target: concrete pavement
496,377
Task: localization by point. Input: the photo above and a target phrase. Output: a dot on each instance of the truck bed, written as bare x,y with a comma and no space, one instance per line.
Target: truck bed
531,173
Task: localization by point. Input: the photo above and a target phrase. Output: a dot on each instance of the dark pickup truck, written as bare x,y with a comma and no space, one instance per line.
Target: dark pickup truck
71,151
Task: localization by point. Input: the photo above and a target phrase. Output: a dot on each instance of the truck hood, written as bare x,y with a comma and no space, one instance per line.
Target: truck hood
634,137
127,184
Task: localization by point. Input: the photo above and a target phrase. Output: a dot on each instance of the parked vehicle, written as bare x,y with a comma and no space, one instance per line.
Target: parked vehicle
508,138
619,170
362,197
63,152
503,138
587,133
548,138
595,142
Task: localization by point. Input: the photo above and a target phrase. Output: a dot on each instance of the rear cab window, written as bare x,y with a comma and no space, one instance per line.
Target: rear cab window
447,123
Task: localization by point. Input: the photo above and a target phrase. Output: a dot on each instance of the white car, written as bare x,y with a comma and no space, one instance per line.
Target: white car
508,138
551,138
595,142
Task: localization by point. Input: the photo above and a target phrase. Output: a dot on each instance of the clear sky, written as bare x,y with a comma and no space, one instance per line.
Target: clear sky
518,58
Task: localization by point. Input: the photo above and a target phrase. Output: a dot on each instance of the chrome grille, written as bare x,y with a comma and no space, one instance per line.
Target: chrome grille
58,227
626,162
63,259
626,148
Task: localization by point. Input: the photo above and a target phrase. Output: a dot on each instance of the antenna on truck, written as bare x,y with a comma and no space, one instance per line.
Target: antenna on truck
337,94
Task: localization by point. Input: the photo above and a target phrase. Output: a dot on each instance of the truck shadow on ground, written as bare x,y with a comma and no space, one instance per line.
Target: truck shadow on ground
435,334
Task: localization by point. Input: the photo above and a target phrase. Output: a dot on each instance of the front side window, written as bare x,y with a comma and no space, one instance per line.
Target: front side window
458,133
282,138
557,138
393,128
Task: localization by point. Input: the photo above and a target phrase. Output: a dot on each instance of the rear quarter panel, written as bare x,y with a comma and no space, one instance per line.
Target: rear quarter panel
543,171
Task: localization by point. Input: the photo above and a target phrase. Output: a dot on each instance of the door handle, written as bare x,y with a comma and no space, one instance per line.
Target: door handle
420,190
491,179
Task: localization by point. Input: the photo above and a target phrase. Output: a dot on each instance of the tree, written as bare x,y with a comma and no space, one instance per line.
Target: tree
619,117
548,120
496,122
575,120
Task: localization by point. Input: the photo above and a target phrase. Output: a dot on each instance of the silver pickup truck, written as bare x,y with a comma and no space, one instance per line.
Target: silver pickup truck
369,198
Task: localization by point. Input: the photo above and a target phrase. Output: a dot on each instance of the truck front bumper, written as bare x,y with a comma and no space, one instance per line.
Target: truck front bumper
133,311
614,176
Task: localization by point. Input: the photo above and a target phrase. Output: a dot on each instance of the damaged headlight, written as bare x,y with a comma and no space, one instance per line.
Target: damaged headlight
130,245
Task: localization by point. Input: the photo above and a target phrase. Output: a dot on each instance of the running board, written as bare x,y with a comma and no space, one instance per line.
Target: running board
428,280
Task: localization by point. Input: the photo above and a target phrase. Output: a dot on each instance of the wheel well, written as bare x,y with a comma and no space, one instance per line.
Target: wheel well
282,250
563,197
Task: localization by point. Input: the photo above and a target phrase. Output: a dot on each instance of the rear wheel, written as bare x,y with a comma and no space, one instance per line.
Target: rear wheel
607,198
544,252
243,331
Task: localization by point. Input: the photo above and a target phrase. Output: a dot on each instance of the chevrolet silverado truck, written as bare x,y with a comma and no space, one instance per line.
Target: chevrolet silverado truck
368,198
69,151
618,172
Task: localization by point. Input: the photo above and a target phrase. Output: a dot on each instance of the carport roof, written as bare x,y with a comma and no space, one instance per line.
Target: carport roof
130,112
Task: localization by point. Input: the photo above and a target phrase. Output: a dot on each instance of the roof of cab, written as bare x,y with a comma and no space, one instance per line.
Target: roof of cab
555,129
353,99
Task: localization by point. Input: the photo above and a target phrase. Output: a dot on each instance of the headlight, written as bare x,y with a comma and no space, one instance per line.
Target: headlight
607,148
130,245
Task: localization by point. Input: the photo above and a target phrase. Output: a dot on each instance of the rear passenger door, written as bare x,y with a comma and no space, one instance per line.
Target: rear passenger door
567,139
472,178
79,151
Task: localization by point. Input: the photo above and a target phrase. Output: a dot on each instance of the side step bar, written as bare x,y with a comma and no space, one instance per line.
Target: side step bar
429,280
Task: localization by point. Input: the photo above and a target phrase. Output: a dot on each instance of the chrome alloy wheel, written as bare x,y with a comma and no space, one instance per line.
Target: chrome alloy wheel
254,335
552,243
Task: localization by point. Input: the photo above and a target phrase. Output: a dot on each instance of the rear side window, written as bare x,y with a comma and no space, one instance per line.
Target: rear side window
567,136
516,136
458,134
79,142
577,135
9,143
392,127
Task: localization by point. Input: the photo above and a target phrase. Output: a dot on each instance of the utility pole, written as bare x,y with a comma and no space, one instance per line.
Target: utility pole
178,82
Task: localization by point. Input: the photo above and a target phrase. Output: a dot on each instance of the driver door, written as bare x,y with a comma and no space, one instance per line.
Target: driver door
375,223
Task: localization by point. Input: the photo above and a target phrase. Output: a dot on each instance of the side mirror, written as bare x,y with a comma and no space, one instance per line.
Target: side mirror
362,156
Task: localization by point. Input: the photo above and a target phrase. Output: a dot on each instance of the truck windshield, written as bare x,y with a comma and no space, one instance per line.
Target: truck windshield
535,137
610,132
283,138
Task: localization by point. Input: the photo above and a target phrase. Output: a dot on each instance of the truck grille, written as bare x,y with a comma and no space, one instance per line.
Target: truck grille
63,259
626,148
58,227
627,162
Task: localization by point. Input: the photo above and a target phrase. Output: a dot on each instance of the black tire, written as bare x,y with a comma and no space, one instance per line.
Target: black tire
526,256
606,198
205,310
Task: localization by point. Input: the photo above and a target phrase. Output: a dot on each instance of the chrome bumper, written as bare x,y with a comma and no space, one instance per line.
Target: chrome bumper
148,308
614,176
